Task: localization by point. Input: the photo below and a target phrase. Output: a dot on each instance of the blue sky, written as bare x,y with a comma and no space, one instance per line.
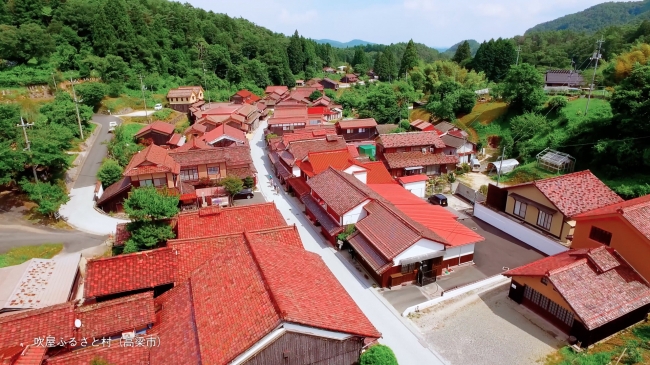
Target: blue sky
436,23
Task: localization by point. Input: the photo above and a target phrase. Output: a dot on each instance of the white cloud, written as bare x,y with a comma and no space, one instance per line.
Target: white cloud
432,22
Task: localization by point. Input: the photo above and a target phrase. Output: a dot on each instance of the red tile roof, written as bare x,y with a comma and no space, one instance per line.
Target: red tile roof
584,277
318,162
248,96
115,316
413,178
24,326
232,156
354,152
33,355
434,217
575,193
635,211
175,139
224,130
114,355
421,124
194,144
340,193
151,160
276,89
300,149
214,221
357,123
299,186
400,160
128,272
378,174
410,139
158,126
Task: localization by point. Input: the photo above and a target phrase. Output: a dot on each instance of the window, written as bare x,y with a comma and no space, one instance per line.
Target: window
402,149
190,174
600,235
349,130
159,181
408,268
362,130
214,170
544,220
544,280
286,128
520,209
147,182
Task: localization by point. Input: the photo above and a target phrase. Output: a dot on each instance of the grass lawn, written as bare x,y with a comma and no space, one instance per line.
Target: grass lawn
131,129
420,113
525,173
635,340
18,255
484,113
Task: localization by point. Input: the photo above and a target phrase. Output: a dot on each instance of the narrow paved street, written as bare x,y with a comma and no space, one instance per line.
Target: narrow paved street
20,235
408,348
79,212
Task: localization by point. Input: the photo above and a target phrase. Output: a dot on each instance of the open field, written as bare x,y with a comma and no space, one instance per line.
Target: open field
18,255
484,113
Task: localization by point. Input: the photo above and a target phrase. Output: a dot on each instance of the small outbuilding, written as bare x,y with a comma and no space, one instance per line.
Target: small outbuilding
503,167
416,184
555,161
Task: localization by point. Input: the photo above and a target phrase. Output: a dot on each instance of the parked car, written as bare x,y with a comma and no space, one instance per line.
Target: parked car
111,126
158,107
244,194
438,199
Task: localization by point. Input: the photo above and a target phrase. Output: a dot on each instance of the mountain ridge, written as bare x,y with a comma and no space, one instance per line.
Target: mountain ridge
337,44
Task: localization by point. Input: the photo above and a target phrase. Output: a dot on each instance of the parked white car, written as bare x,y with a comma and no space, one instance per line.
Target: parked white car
158,107
111,126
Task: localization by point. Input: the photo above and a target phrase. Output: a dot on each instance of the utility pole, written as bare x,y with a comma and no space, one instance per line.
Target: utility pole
503,155
597,56
143,97
76,105
205,82
53,79
24,126
518,50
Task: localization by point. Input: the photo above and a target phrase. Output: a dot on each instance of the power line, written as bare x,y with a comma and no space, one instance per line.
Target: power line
597,56
606,140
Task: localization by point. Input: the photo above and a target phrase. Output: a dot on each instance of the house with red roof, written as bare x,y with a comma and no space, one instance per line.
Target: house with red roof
350,79
416,184
422,125
414,153
398,236
547,207
278,90
244,97
457,143
160,134
588,293
288,118
224,135
623,226
243,116
357,129
178,292
183,98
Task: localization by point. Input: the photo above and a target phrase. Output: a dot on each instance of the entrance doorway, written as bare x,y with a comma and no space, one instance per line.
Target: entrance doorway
428,271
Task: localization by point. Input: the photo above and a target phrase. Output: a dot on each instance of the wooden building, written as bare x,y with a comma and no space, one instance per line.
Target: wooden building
180,99
414,153
357,129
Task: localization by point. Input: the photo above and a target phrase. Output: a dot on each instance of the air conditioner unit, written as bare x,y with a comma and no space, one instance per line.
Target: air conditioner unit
424,150
128,335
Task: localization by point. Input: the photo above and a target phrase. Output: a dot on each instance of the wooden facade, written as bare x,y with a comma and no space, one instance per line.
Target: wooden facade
156,137
300,349
358,134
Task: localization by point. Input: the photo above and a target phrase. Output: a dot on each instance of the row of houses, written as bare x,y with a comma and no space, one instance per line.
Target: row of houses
217,294
595,281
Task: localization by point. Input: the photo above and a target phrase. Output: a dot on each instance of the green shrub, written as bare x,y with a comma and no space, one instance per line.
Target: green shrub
109,173
162,114
249,182
378,355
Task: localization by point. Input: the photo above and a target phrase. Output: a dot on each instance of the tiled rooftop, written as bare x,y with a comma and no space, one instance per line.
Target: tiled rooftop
114,316
635,211
410,139
158,126
151,160
340,193
399,160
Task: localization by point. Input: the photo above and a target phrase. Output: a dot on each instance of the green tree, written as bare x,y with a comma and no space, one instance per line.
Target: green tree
378,355
385,66
233,185
558,102
295,53
315,95
410,59
463,53
47,196
249,182
494,58
109,173
91,93
381,104
359,58
524,88
149,209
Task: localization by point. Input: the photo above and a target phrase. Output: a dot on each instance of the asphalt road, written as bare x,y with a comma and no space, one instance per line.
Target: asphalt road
93,161
20,235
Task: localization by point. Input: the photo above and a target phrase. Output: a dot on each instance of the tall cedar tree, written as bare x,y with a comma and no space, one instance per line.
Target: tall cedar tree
359,57
410,59
386,66
463,53
495,58
295,53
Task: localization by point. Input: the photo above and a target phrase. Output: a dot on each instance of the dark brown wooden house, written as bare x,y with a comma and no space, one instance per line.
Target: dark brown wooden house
158,133
357,129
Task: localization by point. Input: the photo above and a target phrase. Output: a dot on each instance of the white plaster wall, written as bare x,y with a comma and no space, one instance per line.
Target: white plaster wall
355,214
421,247
296,171
458,251
418,188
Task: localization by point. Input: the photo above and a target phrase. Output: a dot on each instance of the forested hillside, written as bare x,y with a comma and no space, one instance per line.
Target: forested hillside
599,16
337,44
473,46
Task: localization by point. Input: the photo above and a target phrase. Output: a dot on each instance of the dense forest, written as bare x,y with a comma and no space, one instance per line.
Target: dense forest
599,16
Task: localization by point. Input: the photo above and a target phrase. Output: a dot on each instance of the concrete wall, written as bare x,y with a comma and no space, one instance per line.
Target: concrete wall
355,214
454,252
627,240
417,188
469,193
518,230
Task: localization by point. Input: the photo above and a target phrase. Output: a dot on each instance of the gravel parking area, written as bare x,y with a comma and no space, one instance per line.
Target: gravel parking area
487,328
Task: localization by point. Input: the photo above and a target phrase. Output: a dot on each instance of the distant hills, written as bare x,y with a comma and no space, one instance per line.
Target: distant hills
473,46
599,16
337,44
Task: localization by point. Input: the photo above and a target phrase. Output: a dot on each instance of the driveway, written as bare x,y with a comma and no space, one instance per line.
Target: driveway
138,113
395,330
80,212
487,328
496,254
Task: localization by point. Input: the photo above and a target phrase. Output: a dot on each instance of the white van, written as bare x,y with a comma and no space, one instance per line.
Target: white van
476,165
